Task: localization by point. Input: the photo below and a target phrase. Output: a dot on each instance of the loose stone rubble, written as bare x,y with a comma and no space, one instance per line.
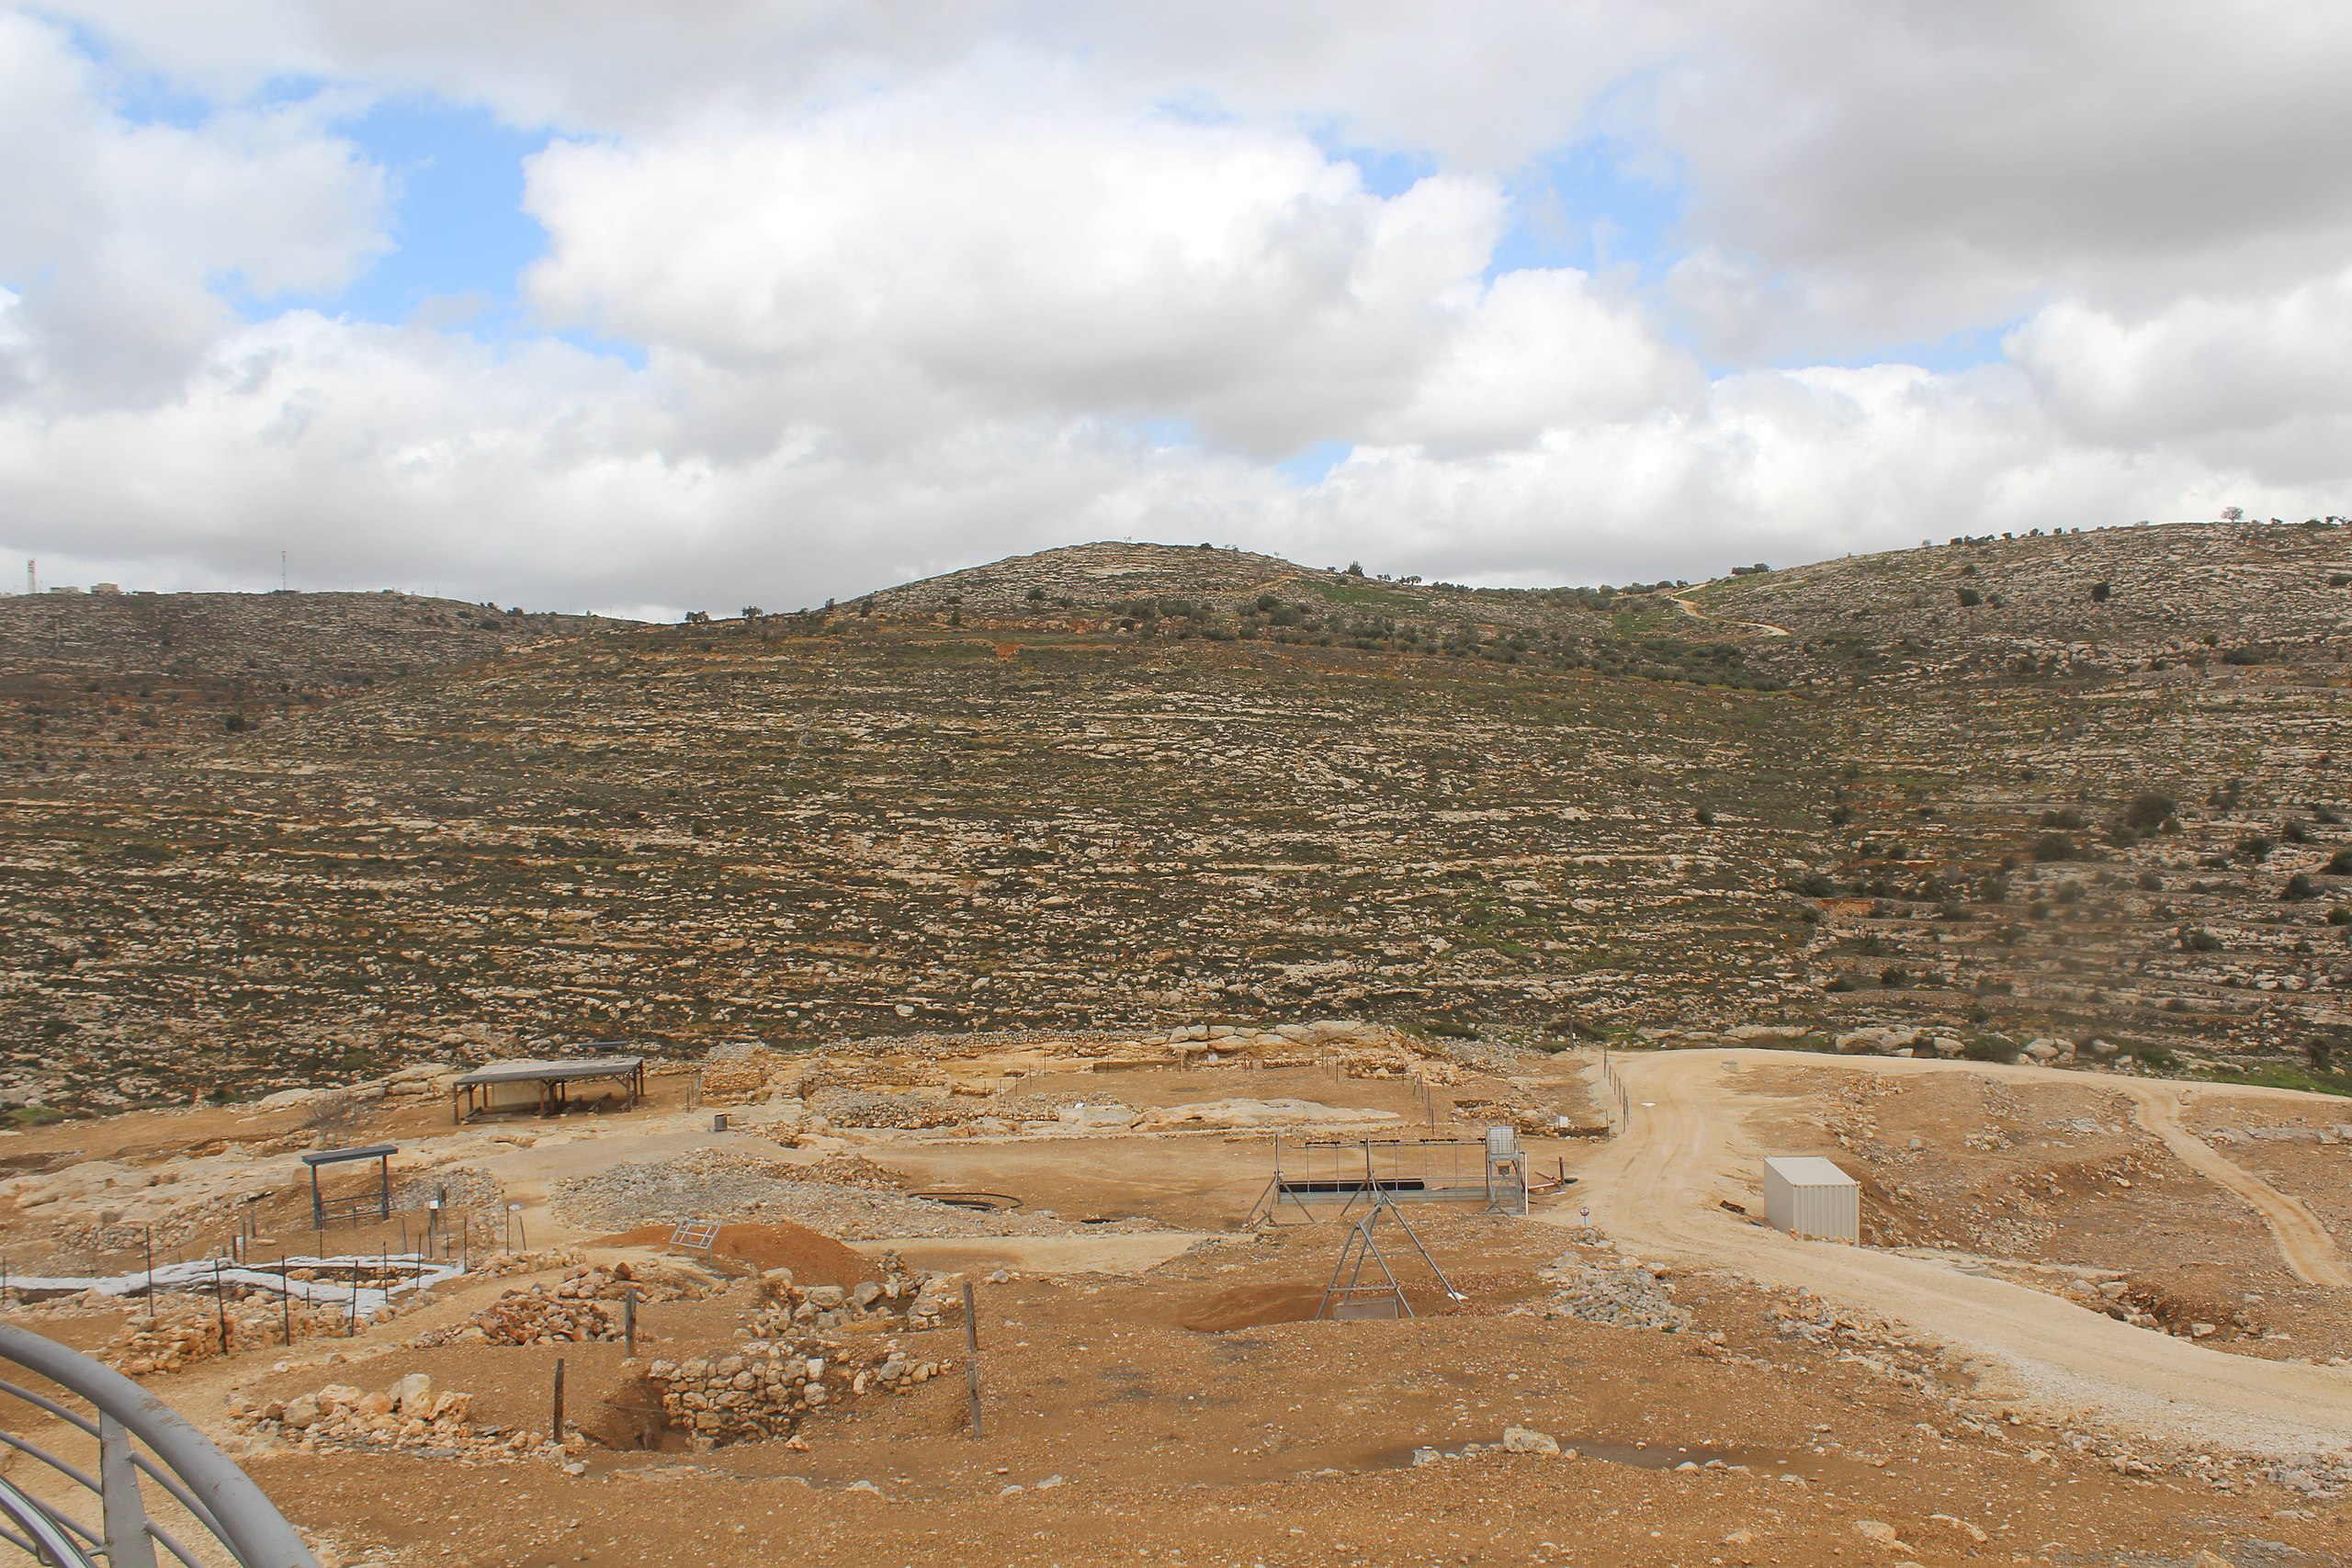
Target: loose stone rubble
188,1331
770,1385
903,1298
719,1181
577,1308
1626,1294
411,1415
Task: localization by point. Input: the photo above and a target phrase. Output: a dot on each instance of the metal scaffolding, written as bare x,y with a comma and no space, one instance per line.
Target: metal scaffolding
1491,1170
1349,1295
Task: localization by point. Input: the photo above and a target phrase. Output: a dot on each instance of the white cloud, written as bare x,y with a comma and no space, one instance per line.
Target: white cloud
1905,172
117,237
1775,465
1055,258
1540,350
405,456
1484,84
556,477
909,282
2200,370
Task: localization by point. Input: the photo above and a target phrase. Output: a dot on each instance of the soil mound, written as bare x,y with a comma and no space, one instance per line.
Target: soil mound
814,1258
1301,1300
1251,1307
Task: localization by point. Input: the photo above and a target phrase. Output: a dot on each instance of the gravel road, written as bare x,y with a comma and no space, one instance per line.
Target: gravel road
1658,1188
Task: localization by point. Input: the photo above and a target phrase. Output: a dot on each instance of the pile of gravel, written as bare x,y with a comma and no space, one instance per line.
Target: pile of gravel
867,1108
624,1196
1624,1296
461,1187
699,1186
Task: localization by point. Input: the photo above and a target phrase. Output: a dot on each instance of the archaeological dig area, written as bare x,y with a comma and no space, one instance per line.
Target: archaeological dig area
1146,1055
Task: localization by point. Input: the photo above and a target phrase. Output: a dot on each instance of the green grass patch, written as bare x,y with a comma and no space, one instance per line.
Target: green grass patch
1373,596
1648,619
2285,1074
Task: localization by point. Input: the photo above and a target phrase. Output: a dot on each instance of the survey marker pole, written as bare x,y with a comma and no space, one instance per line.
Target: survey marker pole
972,1358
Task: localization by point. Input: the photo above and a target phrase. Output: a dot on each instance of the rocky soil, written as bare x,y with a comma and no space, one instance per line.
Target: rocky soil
1580,1403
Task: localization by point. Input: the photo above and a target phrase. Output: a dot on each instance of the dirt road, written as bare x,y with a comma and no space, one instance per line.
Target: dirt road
2303,1242
1689,608
1657,1190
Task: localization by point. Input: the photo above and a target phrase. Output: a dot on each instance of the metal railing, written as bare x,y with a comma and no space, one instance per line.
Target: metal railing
219,1497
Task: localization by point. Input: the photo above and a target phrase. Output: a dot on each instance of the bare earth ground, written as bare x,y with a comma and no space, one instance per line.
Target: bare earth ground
1153,1391
1661,1188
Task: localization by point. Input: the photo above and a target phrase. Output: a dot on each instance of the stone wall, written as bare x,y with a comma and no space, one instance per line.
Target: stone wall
766,1388
580,1308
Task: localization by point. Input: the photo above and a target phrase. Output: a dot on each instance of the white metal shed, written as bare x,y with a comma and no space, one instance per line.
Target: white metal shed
1805,1195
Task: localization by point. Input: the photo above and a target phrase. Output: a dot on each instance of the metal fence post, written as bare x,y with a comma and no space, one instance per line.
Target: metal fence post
972,1356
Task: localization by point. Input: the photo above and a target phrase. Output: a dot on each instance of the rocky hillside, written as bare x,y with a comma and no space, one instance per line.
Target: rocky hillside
2116,601
1115,786
86,678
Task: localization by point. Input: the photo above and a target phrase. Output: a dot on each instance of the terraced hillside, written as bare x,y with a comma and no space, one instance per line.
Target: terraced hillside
92,679
1124,785
2089,777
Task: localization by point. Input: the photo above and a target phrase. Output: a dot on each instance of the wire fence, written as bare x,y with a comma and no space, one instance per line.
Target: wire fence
1615,1102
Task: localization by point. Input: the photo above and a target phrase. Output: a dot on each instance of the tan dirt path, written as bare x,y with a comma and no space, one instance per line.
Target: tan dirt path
1657,1190
2304,1243
1689,608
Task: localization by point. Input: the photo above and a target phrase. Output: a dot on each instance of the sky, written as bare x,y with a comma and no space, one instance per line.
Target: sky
598,305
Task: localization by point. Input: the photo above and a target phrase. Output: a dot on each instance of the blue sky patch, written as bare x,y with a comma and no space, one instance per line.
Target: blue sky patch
1313,465
458,228
1584,207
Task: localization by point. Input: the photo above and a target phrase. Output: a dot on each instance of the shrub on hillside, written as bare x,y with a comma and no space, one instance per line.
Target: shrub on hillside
2146,811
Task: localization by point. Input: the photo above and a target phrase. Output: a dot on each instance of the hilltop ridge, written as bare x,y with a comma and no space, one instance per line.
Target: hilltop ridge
1088,573
101,674
1134,786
